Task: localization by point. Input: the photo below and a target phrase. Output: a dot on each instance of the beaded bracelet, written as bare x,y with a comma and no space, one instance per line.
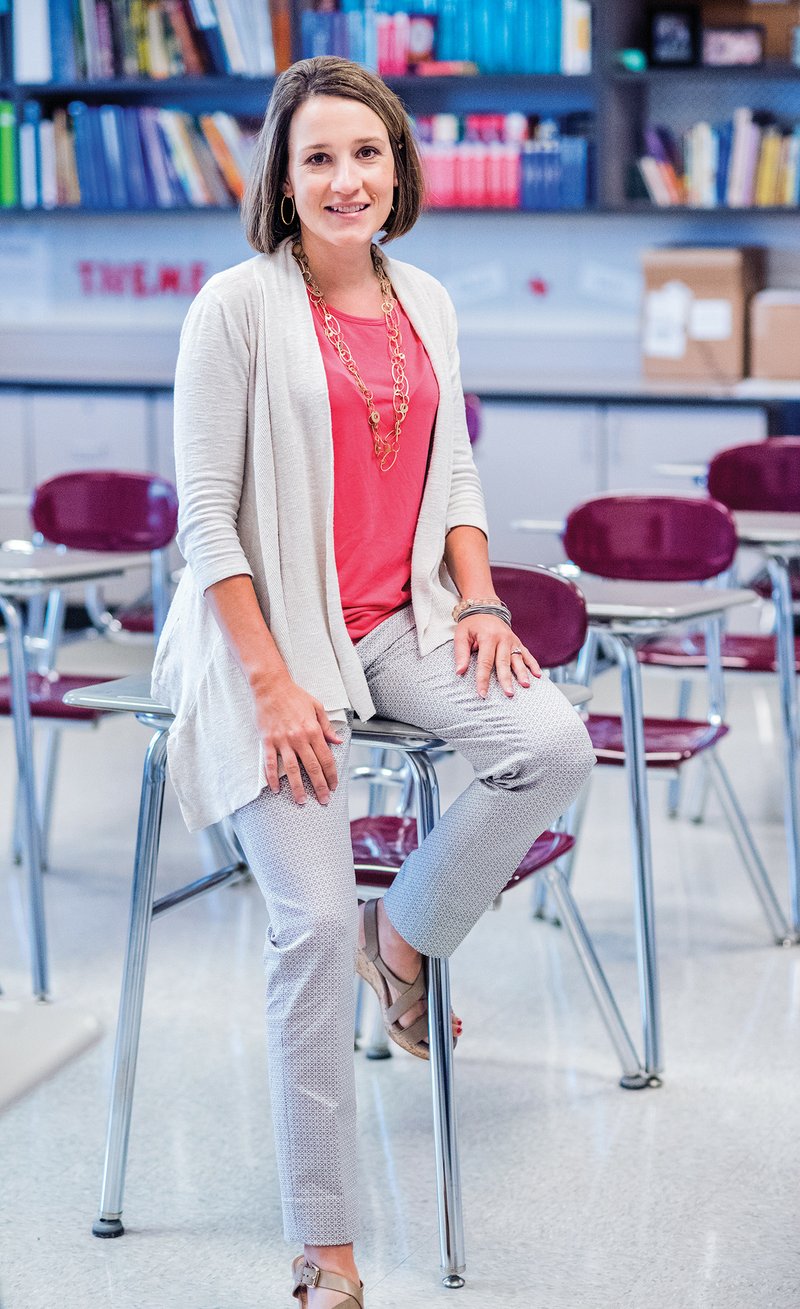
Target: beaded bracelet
490,602
494,610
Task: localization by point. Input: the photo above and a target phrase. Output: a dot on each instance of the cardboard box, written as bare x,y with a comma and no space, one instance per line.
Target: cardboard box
695,313
775,335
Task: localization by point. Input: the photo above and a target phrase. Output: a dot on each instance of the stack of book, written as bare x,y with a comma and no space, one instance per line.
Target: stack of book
115,157
750,161
505,161
395,37
89,40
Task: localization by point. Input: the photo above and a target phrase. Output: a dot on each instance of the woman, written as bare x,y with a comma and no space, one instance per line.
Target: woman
335,534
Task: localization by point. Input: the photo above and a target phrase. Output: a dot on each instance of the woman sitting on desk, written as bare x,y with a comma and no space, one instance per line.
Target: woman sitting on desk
332,520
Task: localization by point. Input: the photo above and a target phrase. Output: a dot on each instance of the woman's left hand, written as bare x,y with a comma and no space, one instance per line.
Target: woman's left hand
497,648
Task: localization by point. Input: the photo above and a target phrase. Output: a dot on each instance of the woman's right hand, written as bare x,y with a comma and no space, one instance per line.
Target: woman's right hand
293,725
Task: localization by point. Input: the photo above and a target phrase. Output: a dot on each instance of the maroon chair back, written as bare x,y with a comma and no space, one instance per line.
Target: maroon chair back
549,611
472,405
651,538
112,511
762,476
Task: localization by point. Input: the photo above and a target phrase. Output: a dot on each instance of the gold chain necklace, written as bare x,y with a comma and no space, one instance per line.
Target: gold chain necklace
386,447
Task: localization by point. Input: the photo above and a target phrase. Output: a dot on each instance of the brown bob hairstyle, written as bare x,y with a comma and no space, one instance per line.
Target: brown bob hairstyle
325,75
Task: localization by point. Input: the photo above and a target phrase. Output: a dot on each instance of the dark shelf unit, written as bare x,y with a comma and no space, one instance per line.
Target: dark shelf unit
618,99
769,71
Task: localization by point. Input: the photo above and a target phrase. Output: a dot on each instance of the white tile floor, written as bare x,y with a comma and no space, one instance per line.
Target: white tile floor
576,1193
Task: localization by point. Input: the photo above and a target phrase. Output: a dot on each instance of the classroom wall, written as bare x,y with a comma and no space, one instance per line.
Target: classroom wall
542,296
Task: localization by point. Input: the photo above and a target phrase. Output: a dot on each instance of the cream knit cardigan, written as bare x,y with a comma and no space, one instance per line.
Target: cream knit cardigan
254,460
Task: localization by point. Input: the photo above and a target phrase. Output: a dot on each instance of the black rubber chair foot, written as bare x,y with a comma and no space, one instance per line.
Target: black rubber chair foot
107,1227
641,1081
378,1054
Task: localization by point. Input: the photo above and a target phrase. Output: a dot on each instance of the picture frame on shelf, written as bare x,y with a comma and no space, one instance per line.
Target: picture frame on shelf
735,45
674,36
421,40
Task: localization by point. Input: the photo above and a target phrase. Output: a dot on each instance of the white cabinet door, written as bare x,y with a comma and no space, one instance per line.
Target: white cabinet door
642,437
535,461
14,472
77,432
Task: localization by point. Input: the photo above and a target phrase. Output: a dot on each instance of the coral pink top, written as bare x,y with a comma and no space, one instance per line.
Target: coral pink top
374,513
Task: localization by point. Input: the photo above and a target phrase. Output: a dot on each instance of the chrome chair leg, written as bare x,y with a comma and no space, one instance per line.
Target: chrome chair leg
644,907
222,847
378,1047
17,829
440,1038
751,858
52,749
674,784
784,639
375,802
698,791
572,822
23,744
159,582
109,1220
358,1026
634,1077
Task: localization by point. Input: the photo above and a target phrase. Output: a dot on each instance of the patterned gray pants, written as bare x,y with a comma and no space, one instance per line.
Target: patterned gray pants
531,756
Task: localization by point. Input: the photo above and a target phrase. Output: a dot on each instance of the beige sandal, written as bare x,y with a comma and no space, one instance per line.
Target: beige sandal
377,972
307,1274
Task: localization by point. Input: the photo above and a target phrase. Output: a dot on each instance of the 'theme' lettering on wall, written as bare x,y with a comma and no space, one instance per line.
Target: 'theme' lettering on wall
140,279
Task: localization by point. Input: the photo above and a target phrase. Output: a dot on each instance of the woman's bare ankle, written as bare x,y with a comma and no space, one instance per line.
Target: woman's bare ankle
334,1258
398,947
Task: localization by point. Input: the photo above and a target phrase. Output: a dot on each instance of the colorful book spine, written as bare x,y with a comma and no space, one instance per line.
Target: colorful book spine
487,161
33,61
62,42
122,158
9,182
484,36
30,159
750,161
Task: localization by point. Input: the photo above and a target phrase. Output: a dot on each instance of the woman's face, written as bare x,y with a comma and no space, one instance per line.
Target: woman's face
340,171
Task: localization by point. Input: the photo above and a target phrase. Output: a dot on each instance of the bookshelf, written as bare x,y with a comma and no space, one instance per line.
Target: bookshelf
618,104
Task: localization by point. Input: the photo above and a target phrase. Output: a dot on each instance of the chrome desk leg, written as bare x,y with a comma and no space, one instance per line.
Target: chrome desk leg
782,598
674,784
27,789
108,1221
52,749
159,582
440,1038
634,1078
748,849
636,771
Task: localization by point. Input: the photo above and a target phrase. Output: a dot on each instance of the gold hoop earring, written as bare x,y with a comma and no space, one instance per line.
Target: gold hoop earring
287,222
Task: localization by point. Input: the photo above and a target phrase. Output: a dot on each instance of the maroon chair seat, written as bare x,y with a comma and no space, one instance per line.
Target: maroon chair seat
762,584
668,742
764,477
46,696
382,842
139,618
472,406
106,510
749,654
